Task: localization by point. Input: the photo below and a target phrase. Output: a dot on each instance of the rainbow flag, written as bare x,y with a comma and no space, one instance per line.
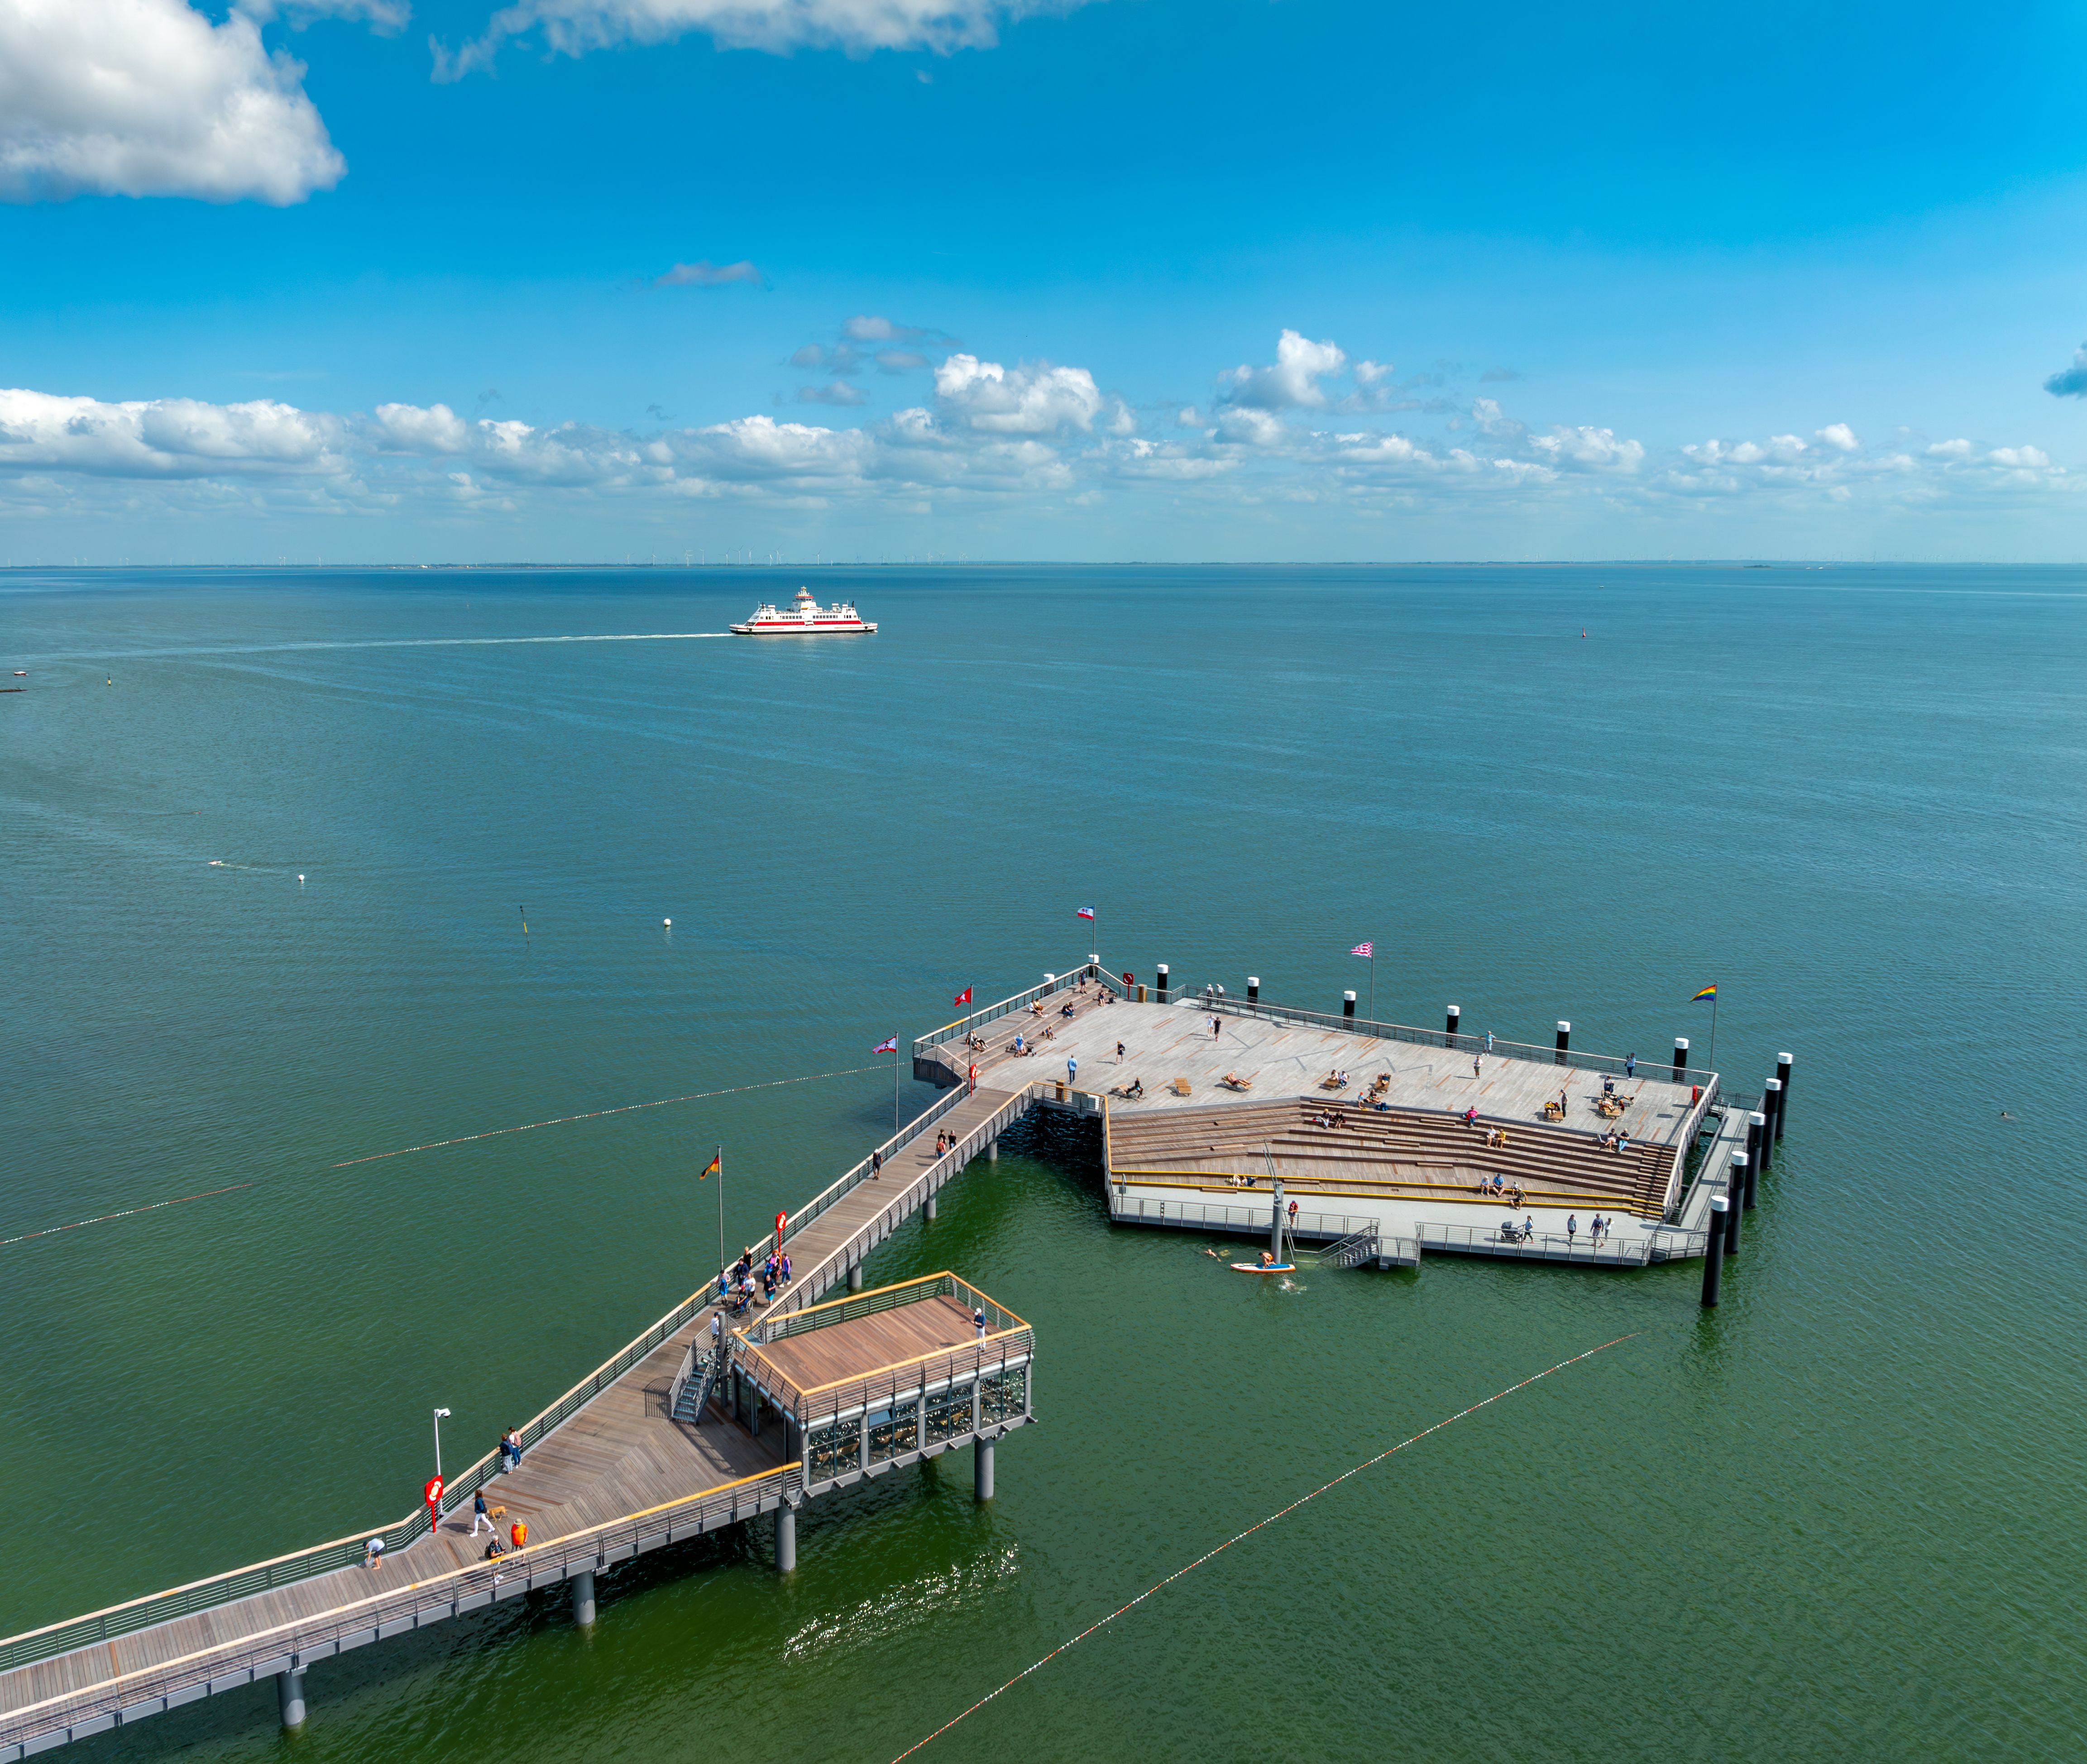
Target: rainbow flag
1708,992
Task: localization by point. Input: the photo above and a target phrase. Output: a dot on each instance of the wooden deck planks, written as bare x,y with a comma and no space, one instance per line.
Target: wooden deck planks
866,1345
621,1455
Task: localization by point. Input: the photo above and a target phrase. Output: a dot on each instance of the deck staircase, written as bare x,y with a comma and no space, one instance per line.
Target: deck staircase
1412,1151
696,1390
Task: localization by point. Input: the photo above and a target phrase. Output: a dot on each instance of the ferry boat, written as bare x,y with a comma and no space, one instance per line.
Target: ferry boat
806,617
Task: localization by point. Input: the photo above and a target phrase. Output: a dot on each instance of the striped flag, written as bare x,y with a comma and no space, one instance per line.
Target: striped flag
890,1046
712,1168
1363,949
1708,992
1085,912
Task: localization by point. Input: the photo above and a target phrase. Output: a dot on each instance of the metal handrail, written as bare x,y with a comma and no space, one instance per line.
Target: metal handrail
1019,1001
811,1404
905,1136
594,1544
945,1285
1248,1221
1228,1003
1549,1247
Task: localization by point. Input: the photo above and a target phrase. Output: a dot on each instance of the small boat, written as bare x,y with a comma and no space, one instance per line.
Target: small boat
1264,1268
805,618
21,673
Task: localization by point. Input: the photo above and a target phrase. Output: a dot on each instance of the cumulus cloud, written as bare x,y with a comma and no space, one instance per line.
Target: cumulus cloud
162,437
705,274
2070,382
149,98
1024,400
992,432
859,27
1292,383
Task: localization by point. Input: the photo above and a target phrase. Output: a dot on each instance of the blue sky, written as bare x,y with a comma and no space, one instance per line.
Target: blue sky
1129,278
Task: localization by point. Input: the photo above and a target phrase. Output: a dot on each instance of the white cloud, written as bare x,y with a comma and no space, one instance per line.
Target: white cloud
1592,449
409,429
859,27
1034,433
162,437
705,274
1293,382
149,98
1025,400
1839,437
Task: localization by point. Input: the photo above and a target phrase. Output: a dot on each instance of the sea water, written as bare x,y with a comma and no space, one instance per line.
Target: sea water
271,842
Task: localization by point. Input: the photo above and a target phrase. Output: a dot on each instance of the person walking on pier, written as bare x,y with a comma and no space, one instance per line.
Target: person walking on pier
875,1164
481,1516
1572,1226
1071,1067
1213,1028
1630,1065
1118,1053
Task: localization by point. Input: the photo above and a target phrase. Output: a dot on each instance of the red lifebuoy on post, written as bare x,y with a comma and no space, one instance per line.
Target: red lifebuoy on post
781,1220
434,1492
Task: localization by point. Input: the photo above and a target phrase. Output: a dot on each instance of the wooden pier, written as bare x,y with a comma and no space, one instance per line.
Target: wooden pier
1213,1114
609,1471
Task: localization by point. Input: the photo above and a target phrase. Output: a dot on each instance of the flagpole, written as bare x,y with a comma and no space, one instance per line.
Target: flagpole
894,1085
1712,1063
720,1165
1372,1008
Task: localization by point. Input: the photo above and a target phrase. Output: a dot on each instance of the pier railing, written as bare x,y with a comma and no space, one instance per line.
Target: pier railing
1248,1222
780,1327
814,1403
1230,1005
355,1620
923,1045
1544,1246
819,1202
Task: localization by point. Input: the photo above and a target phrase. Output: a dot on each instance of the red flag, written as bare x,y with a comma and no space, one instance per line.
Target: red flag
963,997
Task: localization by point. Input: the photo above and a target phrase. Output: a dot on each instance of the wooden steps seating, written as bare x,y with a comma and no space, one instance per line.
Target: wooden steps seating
1411,1147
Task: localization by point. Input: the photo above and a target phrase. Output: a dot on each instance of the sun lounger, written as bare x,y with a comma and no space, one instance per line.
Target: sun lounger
1180,1087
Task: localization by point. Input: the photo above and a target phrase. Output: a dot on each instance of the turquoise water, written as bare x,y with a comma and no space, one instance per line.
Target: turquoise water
1833,1520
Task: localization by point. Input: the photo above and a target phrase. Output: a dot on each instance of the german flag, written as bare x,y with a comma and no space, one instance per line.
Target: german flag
713,1167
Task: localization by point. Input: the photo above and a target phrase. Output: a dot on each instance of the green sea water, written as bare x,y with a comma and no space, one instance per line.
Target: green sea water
1838,1519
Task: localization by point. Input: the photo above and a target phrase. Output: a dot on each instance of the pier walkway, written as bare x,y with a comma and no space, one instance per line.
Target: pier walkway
607,1471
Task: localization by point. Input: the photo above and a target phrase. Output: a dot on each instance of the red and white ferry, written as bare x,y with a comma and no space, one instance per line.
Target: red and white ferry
805,616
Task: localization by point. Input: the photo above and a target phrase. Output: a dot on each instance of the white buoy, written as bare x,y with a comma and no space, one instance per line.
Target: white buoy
667,923
300,875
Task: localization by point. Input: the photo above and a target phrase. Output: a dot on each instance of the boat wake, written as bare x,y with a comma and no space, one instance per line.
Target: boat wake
397,643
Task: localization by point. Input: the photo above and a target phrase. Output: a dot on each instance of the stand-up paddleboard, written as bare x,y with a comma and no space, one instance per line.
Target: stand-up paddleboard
1269,1268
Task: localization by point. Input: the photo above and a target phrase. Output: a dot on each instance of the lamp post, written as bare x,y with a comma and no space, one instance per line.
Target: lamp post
439,1414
